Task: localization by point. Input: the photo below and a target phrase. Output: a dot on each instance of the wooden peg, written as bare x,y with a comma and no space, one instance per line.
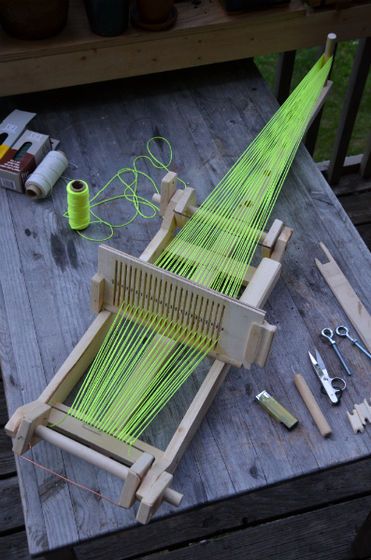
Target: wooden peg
312,405
330,46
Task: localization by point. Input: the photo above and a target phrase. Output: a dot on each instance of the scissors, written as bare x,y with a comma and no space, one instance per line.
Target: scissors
328,334
332,386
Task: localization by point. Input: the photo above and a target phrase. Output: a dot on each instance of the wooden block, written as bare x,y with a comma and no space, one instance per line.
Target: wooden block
97,293
262,283
364,412
185,207
281,244
355,422
35,416
134,479
271,237
152,499
259,344
168,188
12,426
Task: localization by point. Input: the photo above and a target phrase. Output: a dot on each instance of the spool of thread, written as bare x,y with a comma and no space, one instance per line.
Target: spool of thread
78,205
40,183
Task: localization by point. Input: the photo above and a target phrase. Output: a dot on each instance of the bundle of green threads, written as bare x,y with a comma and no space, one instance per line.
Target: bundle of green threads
145,359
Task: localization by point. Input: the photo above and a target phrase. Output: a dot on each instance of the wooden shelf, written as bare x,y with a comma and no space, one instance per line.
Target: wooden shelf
203,34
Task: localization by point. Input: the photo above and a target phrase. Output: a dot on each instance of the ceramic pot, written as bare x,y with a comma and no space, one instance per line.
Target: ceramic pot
108,17
33,19
154,11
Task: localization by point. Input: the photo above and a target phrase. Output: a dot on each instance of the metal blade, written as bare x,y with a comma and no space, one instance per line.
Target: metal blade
320,361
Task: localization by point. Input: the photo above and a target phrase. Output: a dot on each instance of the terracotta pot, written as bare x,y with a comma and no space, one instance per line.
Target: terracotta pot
154,11
33,19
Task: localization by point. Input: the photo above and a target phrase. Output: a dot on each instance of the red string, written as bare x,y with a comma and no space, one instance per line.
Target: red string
73,482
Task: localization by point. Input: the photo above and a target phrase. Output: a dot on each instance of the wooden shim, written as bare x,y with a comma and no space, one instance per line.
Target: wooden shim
228,320
78,361
346,296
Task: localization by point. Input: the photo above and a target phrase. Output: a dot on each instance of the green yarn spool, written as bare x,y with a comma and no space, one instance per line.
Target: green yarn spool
78,204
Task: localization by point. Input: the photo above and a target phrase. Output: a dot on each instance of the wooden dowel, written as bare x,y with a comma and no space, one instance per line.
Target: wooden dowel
95,458
330,46
311,404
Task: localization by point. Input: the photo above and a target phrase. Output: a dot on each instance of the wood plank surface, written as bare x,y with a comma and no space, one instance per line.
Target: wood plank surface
309,537
203,34
209,116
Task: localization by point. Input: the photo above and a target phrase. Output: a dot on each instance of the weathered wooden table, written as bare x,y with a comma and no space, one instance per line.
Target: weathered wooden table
251,488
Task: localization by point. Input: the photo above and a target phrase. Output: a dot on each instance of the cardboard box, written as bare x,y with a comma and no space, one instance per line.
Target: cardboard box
22,158
12,127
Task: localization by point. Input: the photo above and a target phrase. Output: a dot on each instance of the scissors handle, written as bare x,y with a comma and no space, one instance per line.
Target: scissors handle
338,383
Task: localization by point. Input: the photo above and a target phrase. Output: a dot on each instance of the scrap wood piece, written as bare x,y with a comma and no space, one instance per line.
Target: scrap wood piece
355,421
346,296
364,412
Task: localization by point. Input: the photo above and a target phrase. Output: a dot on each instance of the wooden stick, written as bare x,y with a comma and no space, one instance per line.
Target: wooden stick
312,405
97,459
330,46
346,296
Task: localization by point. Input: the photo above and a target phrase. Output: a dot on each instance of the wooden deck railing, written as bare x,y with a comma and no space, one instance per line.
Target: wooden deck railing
339,162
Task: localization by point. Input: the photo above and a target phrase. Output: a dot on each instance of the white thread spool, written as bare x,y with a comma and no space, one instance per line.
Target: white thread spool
42,180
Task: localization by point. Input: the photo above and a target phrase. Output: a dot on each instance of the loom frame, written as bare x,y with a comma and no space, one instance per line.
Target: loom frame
146,470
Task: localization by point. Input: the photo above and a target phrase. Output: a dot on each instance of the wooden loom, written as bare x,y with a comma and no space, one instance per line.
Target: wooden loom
244,338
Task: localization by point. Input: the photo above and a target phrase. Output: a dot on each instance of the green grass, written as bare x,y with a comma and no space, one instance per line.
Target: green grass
305,58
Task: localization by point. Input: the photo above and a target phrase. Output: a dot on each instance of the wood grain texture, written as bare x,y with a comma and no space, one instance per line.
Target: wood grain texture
45,309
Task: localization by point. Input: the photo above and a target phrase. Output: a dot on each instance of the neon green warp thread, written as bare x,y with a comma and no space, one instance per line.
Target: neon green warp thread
128,178
141,353
216,245
144,359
